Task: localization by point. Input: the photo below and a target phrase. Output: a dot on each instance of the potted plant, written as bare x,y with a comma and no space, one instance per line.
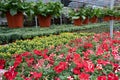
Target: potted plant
77,15
95,14
87,15
14,12
108,14
45,11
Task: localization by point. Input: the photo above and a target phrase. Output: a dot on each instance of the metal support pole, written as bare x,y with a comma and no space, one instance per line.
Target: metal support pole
111,22
36,21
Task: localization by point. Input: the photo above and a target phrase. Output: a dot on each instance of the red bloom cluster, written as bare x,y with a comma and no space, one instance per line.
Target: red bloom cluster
60,67
77,60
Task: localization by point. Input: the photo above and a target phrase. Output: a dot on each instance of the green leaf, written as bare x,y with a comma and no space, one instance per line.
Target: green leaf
13,12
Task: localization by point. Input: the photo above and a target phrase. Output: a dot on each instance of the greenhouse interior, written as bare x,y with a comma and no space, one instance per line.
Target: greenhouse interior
59,39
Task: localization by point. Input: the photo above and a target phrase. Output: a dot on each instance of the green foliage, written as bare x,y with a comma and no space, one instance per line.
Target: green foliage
77,13
38,43
50,8
10,35
13,6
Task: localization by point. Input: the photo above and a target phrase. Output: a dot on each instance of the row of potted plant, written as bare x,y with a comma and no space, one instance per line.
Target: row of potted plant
86,15
16,9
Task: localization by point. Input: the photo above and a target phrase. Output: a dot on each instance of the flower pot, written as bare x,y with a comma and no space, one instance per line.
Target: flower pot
112,18
106,18
78,22
44,21
94,19
15,21
86,21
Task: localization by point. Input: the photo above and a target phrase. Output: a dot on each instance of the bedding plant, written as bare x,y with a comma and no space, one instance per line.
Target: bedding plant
91,58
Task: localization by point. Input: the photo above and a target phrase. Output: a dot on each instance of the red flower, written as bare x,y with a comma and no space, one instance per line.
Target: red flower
25,54
105,46
99,51
78,60
88,45
37,52
60,67
101,78
29,61
2,63
88,66
72,50
84,76
36,75
76,70
10,74
100,61
18,60
112,76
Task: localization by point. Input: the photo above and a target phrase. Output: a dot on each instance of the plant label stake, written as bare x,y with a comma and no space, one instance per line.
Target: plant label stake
111,22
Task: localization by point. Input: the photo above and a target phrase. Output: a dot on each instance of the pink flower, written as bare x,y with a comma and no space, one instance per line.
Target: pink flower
101,78
60,67
2,63
84,76
70,78
112,76
99,66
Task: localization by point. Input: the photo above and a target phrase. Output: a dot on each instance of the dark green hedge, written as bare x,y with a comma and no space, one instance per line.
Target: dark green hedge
9,35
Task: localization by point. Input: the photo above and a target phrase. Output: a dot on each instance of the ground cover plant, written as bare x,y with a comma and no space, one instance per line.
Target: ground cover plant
10,35
38,43
90,58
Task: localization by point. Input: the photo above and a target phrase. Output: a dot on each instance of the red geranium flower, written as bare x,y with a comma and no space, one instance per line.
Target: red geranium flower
60,67
101,78
36,75
88,66
76,70
18,60
10,74
2,63
84,76
112,76
88,45
37,52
